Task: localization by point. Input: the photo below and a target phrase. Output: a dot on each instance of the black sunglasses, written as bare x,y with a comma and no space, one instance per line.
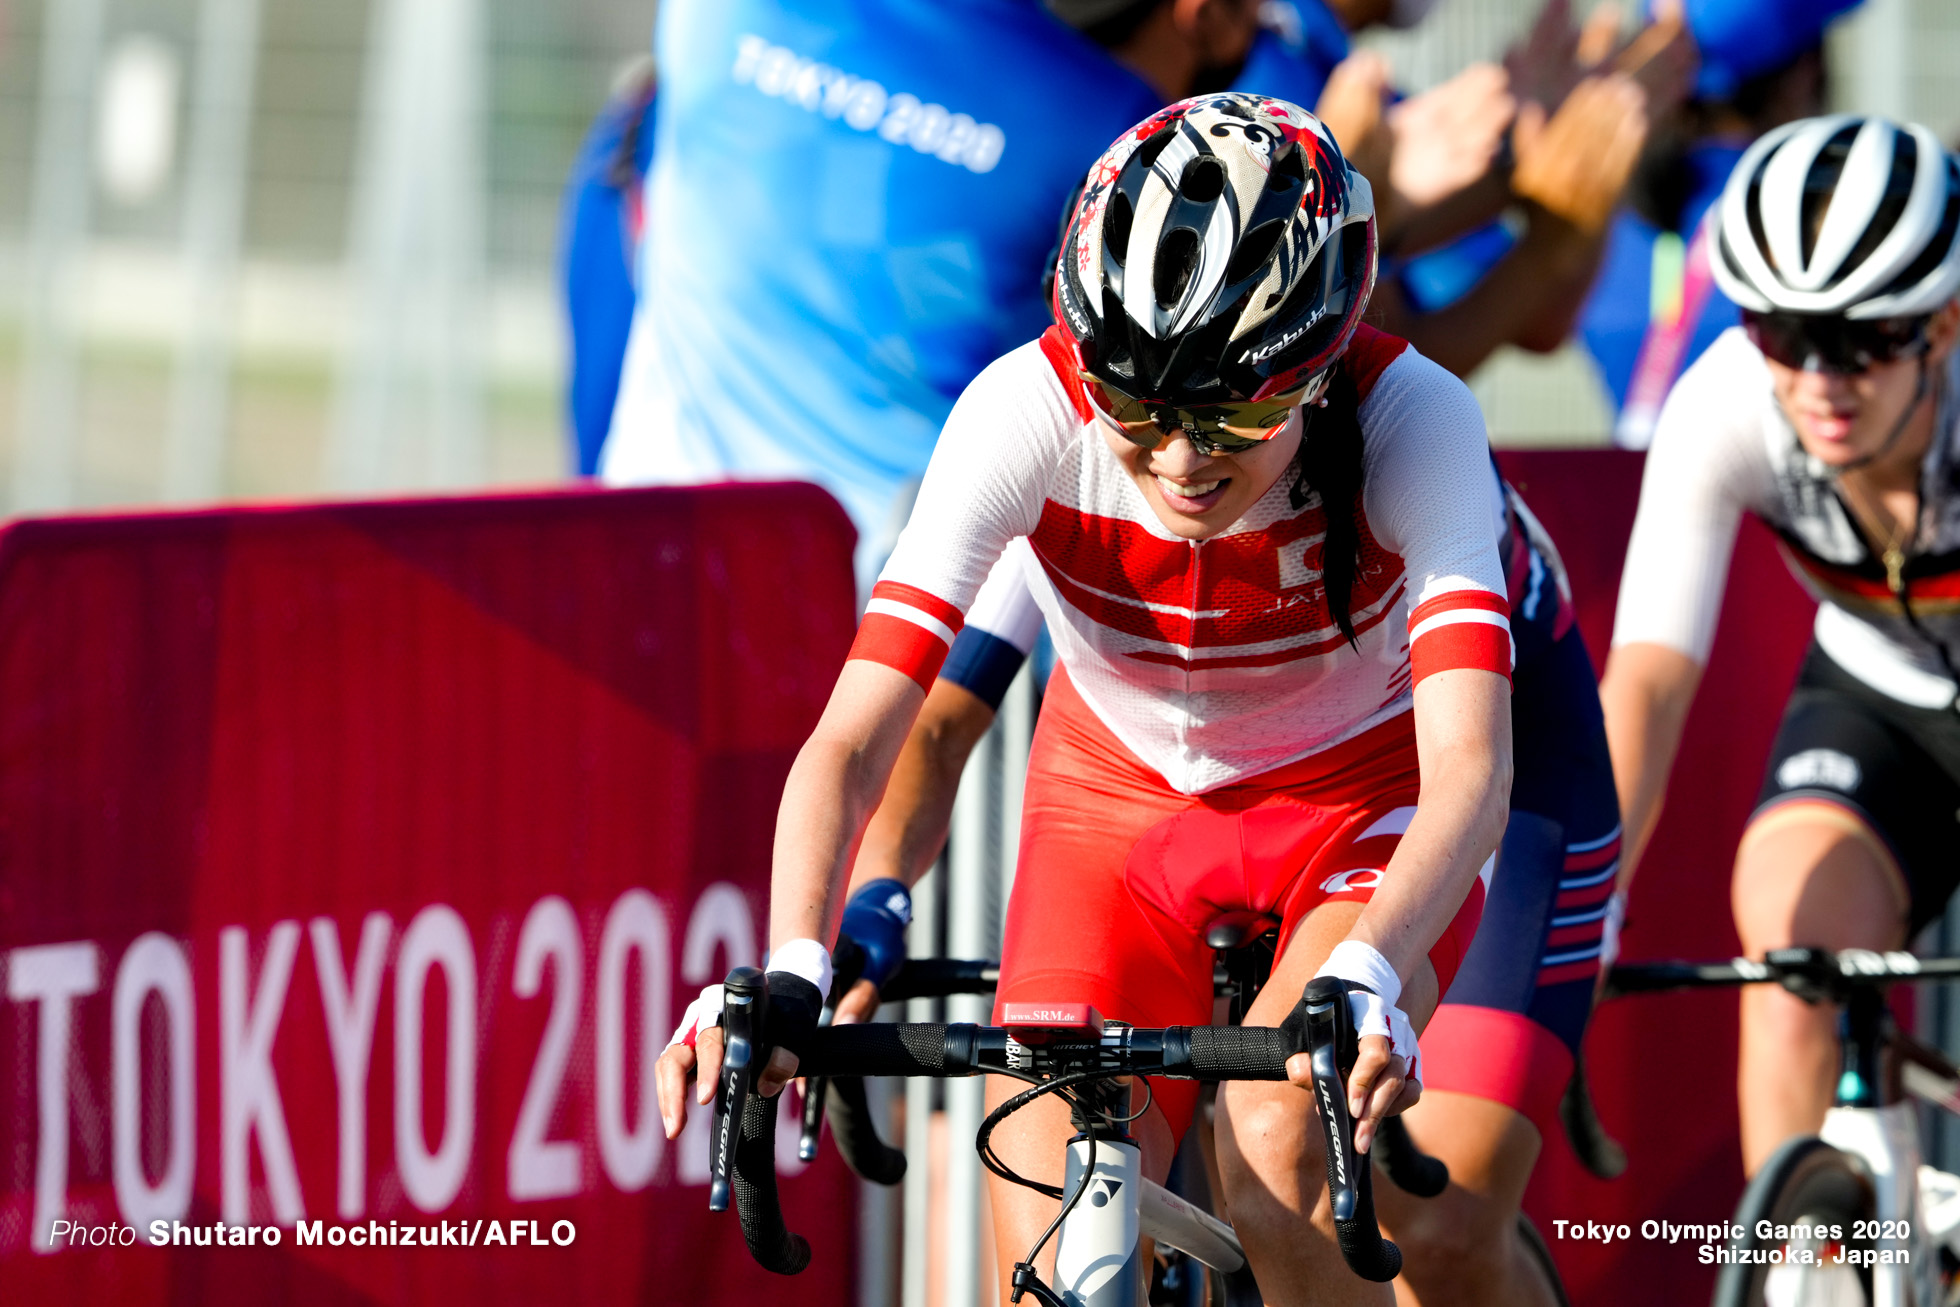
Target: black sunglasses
1842,345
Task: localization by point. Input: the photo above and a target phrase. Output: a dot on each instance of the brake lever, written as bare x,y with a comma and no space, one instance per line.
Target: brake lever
1332,1047
744,1014
847,965
814,1090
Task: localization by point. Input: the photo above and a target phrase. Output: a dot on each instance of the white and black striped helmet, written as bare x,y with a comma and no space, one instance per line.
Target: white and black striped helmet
1222,250
1844,215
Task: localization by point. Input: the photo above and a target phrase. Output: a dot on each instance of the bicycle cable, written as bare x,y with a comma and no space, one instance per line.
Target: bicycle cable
983,1141
1081,1187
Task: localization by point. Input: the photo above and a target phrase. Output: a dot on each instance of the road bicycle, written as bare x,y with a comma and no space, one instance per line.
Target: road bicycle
1245,945
1107,1205
1839,1219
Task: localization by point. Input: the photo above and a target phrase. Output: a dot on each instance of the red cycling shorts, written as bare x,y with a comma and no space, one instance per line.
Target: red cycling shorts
1120,875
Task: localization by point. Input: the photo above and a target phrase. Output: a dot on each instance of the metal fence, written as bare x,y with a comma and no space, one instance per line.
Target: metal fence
271,247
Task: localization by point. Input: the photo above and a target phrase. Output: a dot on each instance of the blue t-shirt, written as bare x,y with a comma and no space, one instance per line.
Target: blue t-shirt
1299,43
601,249
853,201
1617,314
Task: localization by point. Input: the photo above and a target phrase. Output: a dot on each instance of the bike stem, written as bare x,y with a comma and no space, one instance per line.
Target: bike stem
1861,1083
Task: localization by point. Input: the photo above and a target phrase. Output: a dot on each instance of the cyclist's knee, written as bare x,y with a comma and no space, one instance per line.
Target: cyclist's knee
1269,1135
1457,1238
1812,875
1780,1017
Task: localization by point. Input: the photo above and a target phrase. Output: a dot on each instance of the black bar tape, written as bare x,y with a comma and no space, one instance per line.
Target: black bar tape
1236,1053
940,978
770,1242
1413,1171
1367,1254
856,1134
877,1049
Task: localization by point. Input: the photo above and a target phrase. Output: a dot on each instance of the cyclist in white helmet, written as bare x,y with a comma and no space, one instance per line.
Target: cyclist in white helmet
1830,414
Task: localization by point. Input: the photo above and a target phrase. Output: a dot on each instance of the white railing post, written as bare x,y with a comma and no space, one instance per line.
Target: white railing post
974,861
881,1208
57,229
1017,718
416,255
1875,78
920,942
214,216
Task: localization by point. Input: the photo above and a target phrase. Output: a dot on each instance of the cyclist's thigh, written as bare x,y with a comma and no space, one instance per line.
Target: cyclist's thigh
1511,1023
1854,840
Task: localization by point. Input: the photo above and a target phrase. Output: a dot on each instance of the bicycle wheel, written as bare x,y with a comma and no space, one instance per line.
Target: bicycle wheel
1792,1262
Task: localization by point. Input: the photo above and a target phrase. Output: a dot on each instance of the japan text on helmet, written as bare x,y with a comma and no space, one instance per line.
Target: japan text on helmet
1844,215
1222,251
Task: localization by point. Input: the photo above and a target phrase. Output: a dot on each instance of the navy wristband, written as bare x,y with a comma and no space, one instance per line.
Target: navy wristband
875,919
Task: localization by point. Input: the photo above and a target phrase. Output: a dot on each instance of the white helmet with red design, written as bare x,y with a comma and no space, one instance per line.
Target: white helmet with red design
1222,251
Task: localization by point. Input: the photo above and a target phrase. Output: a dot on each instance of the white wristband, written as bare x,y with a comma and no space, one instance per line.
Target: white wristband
1363,964
805,958
1610,927
1375,1013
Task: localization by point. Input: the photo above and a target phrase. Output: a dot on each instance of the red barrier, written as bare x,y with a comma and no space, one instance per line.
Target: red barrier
1663,1067
353,862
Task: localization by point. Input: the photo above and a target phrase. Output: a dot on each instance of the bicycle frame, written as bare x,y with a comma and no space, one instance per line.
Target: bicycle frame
1871,1122
1885,1140
1872,1119
1098,1251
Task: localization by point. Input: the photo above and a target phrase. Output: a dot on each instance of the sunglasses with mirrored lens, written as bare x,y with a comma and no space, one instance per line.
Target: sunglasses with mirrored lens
1839,345
1211,428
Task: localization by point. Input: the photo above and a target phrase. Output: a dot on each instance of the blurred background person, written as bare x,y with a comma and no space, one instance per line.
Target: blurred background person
1445,163
1656,307
603,224
1501,182
1175,49
850,205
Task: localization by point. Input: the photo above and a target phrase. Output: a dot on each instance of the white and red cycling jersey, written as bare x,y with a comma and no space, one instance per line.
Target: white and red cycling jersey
1211,660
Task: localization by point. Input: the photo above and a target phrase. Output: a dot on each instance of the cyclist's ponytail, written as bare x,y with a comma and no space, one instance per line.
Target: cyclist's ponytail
1330,464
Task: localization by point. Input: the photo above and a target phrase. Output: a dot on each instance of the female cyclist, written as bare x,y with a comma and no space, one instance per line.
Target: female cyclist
1501,1047
1284,648
1830,415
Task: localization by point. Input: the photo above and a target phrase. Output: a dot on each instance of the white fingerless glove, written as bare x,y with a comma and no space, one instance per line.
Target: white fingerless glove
1374,1008
799,957
704,1013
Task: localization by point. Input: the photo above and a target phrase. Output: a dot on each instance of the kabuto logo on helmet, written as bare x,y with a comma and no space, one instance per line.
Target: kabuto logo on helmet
1222,252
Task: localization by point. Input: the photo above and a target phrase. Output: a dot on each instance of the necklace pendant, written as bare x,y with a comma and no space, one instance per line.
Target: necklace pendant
1895,570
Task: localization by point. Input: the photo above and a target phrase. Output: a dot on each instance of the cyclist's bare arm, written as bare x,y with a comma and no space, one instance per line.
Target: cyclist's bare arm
909,828
1463,744
1645,695
833,787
